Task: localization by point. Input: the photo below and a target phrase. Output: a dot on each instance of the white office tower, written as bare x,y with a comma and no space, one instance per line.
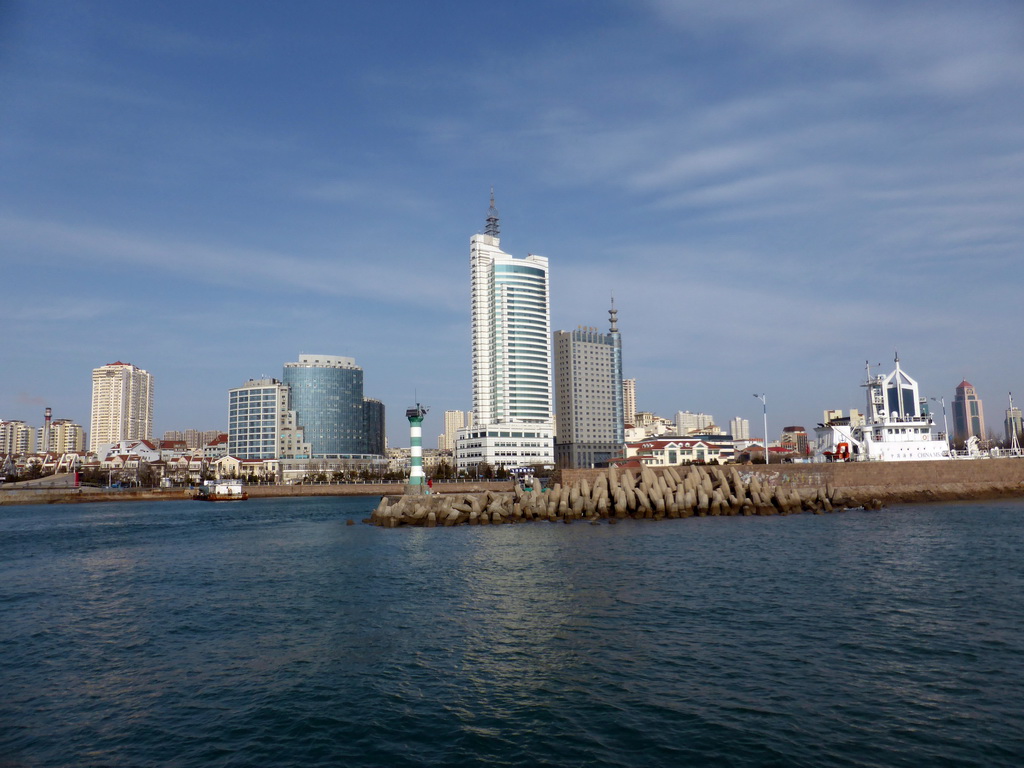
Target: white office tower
739,428
261,424
511,332
122,405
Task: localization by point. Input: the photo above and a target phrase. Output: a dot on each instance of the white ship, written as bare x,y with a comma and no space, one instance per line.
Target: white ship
897,426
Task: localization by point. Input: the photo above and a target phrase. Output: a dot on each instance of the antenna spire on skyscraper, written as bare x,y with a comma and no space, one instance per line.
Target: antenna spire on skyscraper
492,227
613,317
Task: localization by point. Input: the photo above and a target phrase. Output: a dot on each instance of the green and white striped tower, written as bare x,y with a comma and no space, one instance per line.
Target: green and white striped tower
417,478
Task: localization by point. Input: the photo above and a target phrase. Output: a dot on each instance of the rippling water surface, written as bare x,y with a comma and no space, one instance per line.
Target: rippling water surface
271,633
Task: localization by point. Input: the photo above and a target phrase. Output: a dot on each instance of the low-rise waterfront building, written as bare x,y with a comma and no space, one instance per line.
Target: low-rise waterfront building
675,451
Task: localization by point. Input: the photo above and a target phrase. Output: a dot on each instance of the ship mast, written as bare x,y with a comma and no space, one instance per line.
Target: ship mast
1014,441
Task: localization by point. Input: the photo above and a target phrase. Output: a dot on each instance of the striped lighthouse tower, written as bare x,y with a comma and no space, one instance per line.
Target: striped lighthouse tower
417,478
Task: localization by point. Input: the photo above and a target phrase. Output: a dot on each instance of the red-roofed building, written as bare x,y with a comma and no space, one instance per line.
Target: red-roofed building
670,452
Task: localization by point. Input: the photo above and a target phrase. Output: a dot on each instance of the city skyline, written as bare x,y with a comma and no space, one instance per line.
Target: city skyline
210,192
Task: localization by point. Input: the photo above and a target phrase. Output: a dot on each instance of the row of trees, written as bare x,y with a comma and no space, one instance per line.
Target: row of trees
146,477
441,471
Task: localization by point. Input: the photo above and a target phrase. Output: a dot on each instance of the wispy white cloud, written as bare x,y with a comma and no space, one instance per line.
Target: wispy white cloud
358,276
765,186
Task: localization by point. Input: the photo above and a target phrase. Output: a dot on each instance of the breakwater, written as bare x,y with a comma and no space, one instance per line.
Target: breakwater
680,492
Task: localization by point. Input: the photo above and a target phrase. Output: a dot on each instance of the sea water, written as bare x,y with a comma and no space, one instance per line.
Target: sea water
272,633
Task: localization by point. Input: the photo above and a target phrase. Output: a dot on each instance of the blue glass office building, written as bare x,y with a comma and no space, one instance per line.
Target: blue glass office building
373,421
327,397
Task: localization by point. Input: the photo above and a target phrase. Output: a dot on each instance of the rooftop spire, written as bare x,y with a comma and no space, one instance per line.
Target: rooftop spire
613,317
492,227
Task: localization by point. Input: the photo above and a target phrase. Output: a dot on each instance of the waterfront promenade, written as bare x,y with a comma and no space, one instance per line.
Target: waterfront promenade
20,493
889,482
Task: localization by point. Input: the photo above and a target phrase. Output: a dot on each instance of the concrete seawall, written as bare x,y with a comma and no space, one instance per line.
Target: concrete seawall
12,495
889,482
892,482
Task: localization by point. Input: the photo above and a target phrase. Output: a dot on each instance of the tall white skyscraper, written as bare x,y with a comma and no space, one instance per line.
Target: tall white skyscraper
122,404
511,340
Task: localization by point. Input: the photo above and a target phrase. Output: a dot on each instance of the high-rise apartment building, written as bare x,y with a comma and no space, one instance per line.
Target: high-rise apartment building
687,422
453,422
968,413
588,396
629,400
17,438
65,436
122,404
327,397
739,428
261,423
194,439
511,332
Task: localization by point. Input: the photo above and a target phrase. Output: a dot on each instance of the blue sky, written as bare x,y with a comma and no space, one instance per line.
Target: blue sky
775,192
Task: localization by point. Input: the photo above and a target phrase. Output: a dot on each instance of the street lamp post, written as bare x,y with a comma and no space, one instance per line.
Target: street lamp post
945,426
764,403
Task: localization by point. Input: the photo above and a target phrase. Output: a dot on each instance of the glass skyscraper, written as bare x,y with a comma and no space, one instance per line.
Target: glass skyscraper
327,397
968,413
373,426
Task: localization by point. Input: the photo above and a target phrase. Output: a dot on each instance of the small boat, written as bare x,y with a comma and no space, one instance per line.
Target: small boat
222,492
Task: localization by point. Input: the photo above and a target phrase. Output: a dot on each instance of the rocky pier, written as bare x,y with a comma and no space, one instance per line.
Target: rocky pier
618,495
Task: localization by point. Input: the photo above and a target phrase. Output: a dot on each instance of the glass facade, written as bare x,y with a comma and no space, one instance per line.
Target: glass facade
511,345
968,413
511,335
373,426
327,397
